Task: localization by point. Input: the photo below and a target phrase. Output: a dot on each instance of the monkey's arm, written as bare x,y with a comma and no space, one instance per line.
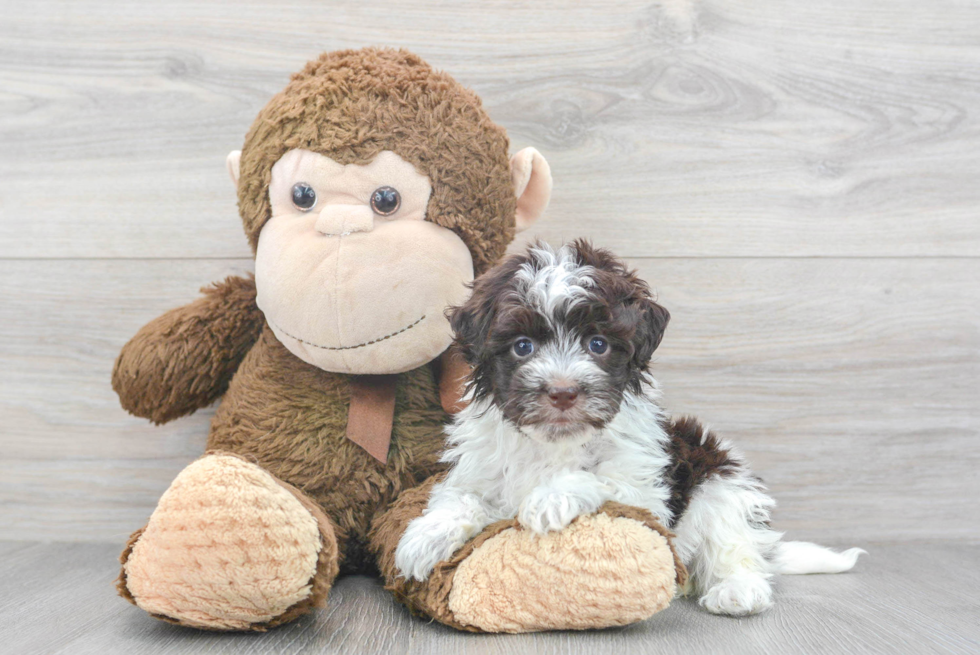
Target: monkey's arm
184,359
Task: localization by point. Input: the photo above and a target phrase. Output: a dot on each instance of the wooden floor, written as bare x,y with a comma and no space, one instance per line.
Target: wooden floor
798,180
903,598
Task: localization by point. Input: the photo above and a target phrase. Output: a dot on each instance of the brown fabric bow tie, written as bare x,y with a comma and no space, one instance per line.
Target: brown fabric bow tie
372,403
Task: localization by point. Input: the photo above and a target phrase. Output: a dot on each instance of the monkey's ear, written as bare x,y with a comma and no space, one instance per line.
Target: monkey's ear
532,183
234,163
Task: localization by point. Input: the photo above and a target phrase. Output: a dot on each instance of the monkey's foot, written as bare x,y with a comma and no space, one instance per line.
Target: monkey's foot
602,570
230,547
612,568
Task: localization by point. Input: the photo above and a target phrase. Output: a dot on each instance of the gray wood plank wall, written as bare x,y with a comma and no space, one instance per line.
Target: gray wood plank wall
799,181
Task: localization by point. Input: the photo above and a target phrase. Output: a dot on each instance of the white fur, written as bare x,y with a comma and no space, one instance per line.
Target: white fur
500,473
554,279
724,539
731,553
801,557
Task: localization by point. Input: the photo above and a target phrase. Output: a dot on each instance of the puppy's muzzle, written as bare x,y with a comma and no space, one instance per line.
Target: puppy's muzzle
563,398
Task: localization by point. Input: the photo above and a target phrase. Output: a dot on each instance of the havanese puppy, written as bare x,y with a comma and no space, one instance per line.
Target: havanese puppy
564,416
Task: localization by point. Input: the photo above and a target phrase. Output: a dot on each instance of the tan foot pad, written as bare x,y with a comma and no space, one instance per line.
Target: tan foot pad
600,571
228,547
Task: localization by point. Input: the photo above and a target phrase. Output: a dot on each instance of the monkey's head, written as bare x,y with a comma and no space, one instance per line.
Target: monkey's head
372,189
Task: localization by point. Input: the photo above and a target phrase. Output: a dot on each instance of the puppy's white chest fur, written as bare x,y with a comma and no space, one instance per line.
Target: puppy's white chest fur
625,461
498,473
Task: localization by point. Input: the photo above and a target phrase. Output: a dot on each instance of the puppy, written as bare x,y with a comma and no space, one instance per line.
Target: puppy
564,416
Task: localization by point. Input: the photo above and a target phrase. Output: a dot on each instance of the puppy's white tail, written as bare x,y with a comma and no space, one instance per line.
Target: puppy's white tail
799,557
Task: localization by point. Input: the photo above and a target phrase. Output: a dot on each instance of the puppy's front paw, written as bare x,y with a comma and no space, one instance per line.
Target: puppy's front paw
428,540
545,510
743,593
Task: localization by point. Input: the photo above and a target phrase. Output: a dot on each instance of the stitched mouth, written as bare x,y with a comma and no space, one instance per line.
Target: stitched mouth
360,345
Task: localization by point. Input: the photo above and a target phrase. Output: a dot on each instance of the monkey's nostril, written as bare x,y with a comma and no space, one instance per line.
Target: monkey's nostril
563,397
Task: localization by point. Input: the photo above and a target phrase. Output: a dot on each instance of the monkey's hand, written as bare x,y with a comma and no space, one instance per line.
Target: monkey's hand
184,360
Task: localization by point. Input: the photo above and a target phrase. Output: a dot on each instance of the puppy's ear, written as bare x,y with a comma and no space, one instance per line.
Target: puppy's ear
649,332
471,324
471,321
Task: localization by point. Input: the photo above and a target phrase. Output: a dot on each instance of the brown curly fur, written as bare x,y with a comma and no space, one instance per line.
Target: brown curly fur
277,411
184,360
286,415
695,455
350,105
289,417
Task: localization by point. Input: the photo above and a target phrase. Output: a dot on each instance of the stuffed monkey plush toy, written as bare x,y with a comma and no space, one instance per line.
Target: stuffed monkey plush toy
372,190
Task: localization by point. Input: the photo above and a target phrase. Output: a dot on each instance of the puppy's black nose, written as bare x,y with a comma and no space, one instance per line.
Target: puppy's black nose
562,397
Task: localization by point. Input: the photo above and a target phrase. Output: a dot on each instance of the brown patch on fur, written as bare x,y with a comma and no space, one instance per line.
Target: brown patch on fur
185,359
618,306
695,455
431,597
626,304
350,105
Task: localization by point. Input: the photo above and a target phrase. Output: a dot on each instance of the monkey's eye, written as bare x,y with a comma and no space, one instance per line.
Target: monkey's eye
304,197
598,345
523,347
385,201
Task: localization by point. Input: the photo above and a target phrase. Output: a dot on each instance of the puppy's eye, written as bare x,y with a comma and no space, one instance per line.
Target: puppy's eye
385,201
523,347
304,197
598,345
